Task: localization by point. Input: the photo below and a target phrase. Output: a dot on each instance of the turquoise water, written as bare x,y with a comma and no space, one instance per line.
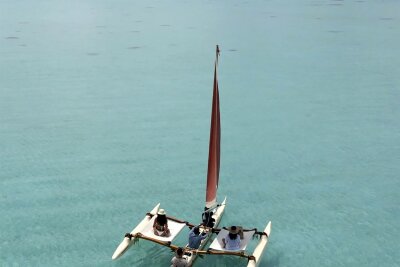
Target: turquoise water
105,109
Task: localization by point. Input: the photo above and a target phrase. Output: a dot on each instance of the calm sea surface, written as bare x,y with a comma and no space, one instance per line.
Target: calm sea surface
105,111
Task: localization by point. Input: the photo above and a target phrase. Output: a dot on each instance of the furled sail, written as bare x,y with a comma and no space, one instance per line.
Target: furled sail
214,149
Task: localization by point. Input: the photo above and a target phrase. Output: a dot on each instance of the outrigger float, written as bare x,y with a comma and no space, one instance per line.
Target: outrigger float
211,216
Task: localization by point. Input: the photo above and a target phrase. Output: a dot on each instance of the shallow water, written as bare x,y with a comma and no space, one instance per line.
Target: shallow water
105,109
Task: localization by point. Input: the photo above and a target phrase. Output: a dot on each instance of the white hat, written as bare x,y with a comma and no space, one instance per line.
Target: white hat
161,212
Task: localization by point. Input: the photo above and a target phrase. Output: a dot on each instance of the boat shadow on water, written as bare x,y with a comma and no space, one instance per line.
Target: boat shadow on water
148,255
224,261
273,260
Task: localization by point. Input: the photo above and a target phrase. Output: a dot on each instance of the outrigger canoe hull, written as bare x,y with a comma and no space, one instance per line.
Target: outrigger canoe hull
259,250
127,242
217,217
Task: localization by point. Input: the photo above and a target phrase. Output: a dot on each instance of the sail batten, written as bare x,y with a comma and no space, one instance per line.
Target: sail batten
214,148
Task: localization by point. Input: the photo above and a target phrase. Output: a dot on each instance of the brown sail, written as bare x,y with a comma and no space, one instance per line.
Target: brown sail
214,149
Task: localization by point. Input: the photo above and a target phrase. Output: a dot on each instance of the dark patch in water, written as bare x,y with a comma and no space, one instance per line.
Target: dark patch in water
165,25
272,16
138,21
92,54
101,26
232,50
23,45
12,37
134,47
335,4
135,31
360,1
149,7
386,18
23,22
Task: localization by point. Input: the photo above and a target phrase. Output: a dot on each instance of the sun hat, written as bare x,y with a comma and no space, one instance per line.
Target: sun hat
161,212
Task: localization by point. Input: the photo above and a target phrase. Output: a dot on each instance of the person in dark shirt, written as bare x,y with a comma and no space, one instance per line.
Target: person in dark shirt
160,225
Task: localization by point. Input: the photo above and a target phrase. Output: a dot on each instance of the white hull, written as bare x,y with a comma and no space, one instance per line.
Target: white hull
258,251
217,217
127,242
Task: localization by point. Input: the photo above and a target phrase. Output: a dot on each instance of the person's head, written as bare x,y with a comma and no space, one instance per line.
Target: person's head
161,212
233,232
196,231
179,252
161,216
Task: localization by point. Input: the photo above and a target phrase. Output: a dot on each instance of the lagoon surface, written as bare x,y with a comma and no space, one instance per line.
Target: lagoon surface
105,111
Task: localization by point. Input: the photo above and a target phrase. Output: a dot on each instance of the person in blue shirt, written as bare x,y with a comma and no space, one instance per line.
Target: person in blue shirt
195,237
233,239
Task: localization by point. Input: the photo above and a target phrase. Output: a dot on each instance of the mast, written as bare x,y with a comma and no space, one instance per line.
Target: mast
214,149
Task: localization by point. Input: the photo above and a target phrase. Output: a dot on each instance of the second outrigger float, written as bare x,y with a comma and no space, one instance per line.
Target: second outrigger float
212,214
